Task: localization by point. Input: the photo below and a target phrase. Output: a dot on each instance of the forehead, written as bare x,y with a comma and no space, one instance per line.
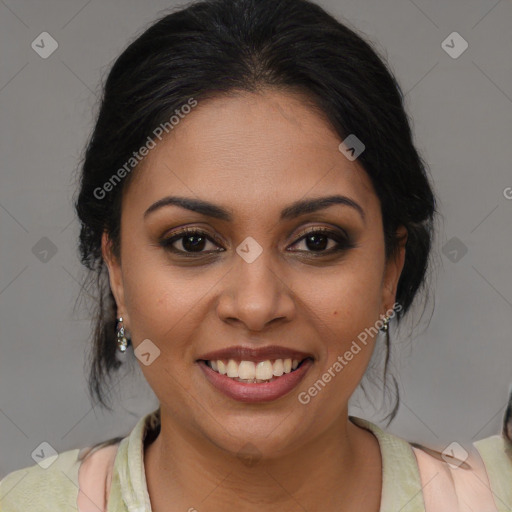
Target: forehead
248,149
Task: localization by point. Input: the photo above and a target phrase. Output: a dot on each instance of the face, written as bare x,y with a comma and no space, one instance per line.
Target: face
261,274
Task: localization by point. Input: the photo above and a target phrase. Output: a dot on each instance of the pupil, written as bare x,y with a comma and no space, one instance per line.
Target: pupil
316,245
194,246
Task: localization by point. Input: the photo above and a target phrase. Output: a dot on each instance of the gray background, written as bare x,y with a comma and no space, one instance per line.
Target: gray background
454,373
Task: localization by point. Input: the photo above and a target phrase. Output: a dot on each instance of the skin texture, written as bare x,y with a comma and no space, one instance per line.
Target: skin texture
254,154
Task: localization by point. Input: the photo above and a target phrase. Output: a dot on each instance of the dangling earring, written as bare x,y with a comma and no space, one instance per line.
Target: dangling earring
122,341
385,325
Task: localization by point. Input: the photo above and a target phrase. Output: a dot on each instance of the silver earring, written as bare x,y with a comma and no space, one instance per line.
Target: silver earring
122,340
385,325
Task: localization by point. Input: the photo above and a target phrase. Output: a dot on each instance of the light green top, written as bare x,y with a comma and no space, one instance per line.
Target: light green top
34,489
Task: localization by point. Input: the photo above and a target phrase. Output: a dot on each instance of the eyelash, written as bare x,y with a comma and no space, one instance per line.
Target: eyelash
343,243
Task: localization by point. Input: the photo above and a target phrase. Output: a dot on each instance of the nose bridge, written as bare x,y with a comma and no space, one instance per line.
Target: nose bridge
256,293
255,274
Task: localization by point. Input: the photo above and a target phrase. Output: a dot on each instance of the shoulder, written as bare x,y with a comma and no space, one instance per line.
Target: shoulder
51,483
478,480
496,453
78,477
70,477
419,478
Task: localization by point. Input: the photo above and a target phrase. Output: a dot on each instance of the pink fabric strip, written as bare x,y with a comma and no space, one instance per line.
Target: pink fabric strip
94,478
454,489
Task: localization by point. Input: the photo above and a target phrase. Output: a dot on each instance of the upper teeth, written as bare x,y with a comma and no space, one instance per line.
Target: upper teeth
247,370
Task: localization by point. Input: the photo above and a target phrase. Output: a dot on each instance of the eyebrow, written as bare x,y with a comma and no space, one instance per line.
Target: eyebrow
292,211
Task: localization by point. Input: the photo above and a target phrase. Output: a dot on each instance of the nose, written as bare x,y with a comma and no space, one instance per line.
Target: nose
256,293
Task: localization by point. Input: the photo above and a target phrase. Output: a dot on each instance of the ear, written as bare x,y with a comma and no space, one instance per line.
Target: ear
393,270
115,276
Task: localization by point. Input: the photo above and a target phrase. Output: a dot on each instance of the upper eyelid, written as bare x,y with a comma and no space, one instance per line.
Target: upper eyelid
181,233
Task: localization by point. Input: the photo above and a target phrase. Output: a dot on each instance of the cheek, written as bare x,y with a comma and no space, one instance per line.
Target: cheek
157,302
344,303
162,311
167,304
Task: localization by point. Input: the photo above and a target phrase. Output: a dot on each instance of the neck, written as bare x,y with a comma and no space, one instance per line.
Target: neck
338,470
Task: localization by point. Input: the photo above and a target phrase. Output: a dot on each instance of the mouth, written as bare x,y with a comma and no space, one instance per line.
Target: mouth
255,375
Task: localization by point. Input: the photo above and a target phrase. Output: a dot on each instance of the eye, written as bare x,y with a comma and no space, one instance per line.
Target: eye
192,241
317,240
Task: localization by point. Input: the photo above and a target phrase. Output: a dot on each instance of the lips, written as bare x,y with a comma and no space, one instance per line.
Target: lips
263,381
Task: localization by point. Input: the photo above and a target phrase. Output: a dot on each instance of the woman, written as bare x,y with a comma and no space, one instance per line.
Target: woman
256,214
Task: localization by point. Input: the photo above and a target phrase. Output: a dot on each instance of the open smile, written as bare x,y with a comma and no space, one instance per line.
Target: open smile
250,382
